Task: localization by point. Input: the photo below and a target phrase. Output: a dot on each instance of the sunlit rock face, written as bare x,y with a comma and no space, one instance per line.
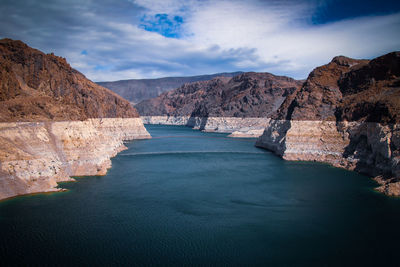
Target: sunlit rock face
55,123
238,127
346,114
36,155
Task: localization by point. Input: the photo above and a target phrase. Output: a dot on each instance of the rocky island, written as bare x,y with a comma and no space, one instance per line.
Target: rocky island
55,123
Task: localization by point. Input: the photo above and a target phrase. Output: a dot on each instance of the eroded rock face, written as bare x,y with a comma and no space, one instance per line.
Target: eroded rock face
242,104
345,114
54,123
318,98
360,146
246,95
39,87
35,156
238,127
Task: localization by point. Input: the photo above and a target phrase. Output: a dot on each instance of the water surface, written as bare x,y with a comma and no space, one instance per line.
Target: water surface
192,198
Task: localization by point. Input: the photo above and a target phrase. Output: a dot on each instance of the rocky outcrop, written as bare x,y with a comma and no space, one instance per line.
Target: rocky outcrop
54,123
137,90
345,114
242,104
362,146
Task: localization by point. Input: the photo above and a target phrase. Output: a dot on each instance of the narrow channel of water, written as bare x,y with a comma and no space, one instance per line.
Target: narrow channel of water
192,198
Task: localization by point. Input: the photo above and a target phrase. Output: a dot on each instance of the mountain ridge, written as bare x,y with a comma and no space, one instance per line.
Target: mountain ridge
250,94
43,87
137,90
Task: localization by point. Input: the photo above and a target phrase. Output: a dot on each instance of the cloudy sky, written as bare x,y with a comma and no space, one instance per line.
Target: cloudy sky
111,40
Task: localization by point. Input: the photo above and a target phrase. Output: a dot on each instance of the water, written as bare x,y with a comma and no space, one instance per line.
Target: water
191,198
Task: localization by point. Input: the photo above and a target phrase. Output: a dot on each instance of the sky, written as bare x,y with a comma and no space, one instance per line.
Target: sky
110,40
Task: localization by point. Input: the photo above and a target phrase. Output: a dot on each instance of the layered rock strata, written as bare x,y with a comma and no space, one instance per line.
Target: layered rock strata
238,127
34,156
55,123
242,104
346,114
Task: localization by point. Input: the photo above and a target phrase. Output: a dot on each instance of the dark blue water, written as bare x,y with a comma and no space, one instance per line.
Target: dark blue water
191,198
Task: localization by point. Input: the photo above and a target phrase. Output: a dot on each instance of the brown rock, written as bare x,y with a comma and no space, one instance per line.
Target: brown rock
348,90
55,123
318,98
137,90
39,87
245,95
347,114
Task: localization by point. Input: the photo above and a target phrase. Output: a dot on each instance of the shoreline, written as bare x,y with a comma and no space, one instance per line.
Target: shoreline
36,156
238,127
315,141
364,147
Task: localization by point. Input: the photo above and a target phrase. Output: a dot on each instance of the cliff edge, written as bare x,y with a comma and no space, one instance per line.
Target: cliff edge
347,114
242,103
55,123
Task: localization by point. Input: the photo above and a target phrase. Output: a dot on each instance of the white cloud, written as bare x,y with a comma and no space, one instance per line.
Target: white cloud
217,36
283,37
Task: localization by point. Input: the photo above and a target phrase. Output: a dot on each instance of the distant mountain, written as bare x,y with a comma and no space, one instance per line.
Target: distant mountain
249,94
137,90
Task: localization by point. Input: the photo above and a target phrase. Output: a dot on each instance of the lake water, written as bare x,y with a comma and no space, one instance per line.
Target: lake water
192,198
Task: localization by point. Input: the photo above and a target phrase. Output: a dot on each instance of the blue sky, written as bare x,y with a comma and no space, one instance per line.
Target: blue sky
164,24
125,39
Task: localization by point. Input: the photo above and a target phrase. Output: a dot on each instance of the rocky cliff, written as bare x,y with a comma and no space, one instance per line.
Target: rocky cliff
242,103
347,114
35,86
137,90
54,123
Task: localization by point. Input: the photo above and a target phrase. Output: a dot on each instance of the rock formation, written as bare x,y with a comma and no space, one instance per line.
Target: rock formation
55,123
241,104
346,114
137,90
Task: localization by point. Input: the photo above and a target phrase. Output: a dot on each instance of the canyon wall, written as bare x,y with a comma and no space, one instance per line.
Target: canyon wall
238,127
240,105
346,114
367,147
34,156
55,123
